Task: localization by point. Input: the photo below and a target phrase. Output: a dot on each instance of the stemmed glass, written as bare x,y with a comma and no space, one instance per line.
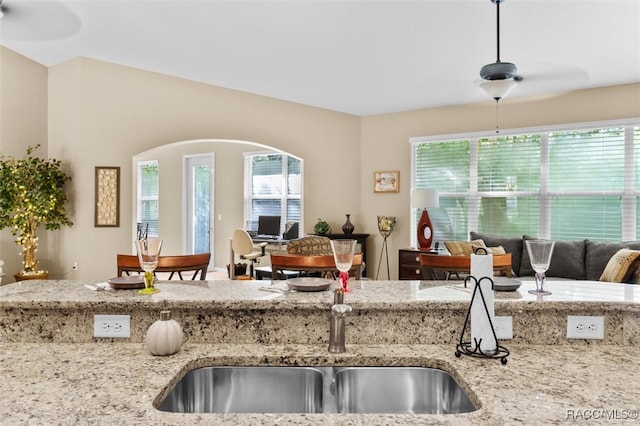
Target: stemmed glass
148,254
540,252
343,256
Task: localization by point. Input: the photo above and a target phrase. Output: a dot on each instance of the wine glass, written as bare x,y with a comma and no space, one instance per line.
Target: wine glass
540,252
148,254
343,256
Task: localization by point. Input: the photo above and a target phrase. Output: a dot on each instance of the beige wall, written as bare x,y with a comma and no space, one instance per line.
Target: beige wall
384,140
102,114
23,123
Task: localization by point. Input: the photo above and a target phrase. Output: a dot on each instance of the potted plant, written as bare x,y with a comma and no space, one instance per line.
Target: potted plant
321,227
32,193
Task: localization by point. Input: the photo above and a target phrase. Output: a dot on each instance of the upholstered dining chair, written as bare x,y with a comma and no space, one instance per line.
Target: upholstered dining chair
242,245
193,263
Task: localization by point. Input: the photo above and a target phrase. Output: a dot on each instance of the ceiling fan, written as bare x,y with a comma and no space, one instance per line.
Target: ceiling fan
43,20
499,77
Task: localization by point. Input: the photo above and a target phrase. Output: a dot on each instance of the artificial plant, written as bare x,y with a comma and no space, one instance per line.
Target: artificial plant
32,193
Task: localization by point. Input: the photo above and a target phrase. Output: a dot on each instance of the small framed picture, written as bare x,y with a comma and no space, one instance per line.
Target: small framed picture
386,181
107,203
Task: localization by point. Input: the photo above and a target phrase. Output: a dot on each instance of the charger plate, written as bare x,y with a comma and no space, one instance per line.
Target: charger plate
506,284
127,282
309,284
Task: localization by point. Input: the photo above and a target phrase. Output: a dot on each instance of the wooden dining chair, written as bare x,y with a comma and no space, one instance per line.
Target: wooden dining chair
304,263
192,263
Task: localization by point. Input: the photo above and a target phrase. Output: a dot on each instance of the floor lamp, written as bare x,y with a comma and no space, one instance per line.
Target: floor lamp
385,227
425,199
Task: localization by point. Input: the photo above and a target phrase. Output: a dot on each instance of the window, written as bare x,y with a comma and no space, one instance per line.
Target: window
148,186
560,183
273,187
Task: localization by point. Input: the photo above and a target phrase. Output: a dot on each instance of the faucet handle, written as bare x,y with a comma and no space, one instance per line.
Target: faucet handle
338,296
341,309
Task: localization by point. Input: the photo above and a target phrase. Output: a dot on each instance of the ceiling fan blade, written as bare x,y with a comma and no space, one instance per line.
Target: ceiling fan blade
37,21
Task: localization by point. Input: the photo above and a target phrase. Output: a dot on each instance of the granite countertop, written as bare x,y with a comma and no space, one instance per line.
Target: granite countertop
379,294
107,382
116,384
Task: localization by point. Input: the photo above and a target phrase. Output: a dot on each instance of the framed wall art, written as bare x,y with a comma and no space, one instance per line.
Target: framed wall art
386,181
107,208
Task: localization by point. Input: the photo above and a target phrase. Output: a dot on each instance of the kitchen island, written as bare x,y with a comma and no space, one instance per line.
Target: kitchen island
57,373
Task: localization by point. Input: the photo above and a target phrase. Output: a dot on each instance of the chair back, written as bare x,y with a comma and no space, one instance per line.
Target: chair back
311,245
241,242
195,263
322,263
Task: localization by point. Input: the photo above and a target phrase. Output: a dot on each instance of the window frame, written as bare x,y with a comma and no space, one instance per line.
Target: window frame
285,197
140,199
630,194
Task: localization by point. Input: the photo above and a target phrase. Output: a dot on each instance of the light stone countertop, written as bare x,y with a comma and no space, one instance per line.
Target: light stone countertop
379,294
115,383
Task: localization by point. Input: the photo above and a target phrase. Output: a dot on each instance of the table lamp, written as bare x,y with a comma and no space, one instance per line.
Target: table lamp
424,199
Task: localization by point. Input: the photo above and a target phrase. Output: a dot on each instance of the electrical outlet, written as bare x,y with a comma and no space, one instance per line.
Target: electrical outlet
503,326
116,326
585,327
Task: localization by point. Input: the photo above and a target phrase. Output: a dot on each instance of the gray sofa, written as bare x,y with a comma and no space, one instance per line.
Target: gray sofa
575,259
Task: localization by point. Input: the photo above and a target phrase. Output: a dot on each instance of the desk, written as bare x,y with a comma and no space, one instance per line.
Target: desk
282,244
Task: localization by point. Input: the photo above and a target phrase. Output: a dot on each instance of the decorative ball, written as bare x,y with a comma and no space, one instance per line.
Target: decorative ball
164,337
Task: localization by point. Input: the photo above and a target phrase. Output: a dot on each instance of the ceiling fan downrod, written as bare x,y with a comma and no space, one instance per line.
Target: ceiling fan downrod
498,70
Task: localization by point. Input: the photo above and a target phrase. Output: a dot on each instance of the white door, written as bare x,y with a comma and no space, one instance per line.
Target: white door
198,204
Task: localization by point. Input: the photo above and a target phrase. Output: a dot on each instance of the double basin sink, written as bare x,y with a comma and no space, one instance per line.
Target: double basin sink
275,389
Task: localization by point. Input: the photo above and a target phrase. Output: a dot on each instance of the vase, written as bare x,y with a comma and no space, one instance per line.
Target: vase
164,337
348,227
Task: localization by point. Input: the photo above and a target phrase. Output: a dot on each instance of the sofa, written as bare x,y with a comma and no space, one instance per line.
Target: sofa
574,259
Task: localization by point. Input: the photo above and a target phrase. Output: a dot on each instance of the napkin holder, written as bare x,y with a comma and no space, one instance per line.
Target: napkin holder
473,348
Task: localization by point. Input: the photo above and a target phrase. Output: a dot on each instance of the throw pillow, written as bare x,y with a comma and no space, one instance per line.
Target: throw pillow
511,245
621,266
496,250
598,255
635,276
567,260
461,248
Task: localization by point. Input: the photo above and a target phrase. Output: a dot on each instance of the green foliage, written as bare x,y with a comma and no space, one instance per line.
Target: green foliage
32,193
321,227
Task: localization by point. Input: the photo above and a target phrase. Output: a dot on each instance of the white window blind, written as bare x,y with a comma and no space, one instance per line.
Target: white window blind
273,187
572,183
148,195
586,183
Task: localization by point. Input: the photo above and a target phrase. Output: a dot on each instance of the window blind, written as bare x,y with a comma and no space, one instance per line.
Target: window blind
272,188
148,195
574,182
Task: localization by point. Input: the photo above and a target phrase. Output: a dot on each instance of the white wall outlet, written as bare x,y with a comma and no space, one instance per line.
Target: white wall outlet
115,326
503,327
585,327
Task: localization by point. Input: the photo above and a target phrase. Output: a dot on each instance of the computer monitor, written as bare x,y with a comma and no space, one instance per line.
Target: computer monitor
269,226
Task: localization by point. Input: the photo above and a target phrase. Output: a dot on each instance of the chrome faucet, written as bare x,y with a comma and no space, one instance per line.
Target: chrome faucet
337,323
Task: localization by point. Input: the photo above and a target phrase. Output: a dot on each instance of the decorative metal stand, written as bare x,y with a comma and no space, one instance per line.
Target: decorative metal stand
385,227
473,348
384,251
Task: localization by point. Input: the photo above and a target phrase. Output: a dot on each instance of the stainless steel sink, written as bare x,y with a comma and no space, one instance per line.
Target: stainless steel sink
399,390
274,389
247,390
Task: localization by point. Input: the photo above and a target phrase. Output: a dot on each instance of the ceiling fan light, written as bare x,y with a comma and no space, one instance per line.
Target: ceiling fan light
498,89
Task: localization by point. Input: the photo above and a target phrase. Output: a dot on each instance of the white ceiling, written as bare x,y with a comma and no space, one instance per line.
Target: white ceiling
360,57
